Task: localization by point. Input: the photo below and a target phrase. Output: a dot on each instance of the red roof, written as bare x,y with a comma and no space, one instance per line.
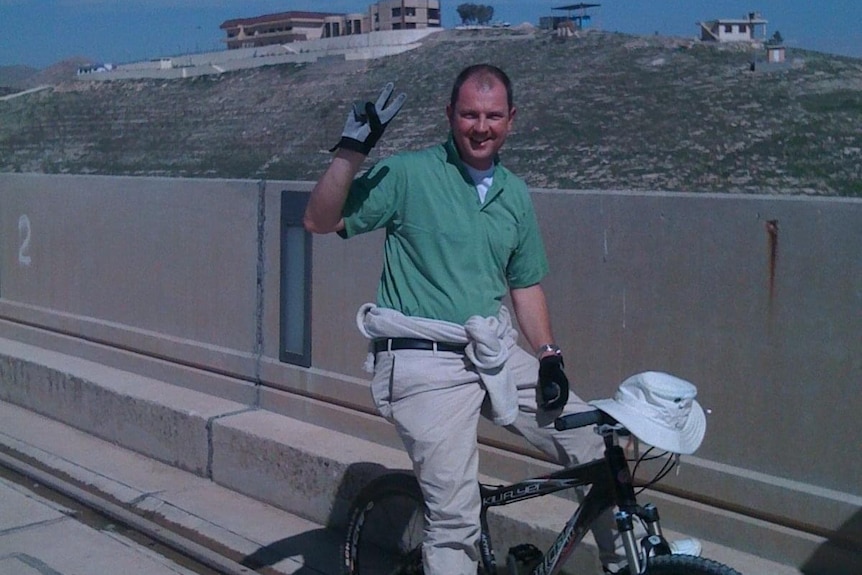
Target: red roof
274,17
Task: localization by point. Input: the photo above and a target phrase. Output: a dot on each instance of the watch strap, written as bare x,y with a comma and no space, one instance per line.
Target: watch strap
544,348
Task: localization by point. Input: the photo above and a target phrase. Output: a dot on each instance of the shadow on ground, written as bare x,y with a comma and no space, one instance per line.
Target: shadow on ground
319,551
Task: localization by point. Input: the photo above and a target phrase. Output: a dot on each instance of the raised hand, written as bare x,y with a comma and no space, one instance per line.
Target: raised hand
367,121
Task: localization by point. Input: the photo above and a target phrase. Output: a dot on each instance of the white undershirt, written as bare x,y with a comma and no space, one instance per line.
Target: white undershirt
483,179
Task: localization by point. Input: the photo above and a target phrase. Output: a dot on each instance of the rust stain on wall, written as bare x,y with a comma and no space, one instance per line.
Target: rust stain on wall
772,239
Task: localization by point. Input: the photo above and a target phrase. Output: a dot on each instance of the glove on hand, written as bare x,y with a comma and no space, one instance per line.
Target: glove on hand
366,122
553,383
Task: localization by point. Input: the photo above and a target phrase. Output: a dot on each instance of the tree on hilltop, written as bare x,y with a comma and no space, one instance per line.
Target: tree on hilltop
475,13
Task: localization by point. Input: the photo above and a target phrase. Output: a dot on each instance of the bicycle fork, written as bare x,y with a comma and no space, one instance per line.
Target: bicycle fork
629,510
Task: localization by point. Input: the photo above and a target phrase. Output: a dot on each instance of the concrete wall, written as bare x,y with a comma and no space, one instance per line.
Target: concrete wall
353,47
754,299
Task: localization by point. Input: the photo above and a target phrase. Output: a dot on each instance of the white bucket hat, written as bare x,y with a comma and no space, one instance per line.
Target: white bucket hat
660,409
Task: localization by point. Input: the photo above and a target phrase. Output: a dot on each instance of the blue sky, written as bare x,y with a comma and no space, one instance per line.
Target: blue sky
39,33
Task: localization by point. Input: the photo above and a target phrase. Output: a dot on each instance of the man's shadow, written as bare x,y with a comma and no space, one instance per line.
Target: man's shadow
318,551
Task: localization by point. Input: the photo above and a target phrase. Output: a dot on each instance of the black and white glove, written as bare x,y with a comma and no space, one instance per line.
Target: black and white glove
553,392
366,121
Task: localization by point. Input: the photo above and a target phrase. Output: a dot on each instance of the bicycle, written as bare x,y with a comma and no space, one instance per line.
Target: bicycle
385,524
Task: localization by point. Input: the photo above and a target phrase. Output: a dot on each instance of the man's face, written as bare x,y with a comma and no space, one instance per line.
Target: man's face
480,121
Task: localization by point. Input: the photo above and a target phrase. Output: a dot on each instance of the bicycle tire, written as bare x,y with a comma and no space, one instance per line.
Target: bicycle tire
385,528
685,565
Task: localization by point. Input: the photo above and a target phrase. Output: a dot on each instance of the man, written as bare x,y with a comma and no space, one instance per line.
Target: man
461,233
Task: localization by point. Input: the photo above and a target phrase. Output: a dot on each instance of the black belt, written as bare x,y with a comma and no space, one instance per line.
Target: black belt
413,343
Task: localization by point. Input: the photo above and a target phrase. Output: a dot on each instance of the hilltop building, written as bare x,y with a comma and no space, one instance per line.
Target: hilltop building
576,17
345,25
295,26
749,29
404,14
775,53
269,29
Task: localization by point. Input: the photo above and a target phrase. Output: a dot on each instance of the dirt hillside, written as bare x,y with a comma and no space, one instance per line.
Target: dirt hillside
598,111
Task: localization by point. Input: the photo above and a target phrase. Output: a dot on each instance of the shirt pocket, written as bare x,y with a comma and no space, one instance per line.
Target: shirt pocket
502,242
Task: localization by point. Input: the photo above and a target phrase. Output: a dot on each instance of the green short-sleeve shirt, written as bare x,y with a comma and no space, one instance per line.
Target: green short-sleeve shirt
446,255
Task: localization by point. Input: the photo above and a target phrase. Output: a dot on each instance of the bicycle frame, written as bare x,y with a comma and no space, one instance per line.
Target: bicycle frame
611,483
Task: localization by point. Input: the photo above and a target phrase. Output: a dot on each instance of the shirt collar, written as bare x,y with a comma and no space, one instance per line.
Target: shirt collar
500,173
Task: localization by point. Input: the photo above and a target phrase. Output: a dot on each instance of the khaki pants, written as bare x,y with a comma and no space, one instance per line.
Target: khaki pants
435,400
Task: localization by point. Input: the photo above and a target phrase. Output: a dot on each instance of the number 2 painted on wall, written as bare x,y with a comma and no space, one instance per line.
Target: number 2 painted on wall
24,235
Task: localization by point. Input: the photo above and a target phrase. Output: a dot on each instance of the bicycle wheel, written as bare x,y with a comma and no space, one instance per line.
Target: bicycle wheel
686,565
385,528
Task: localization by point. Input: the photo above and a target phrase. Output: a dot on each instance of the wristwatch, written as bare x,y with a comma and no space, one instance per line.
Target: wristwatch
548,347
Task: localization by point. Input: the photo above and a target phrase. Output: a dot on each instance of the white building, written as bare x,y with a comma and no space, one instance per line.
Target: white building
404,14
749,29
286,27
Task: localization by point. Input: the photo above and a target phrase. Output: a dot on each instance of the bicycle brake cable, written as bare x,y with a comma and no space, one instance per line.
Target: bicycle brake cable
660,474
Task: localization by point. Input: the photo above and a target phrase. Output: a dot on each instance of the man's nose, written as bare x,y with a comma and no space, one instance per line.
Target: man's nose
482,123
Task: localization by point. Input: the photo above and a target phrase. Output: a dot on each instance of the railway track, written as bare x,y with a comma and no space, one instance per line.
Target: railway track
104,515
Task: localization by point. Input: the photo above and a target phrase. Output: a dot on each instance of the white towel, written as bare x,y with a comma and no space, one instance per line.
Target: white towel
487,340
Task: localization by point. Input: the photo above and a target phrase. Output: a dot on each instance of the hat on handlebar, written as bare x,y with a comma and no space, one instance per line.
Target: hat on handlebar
660,409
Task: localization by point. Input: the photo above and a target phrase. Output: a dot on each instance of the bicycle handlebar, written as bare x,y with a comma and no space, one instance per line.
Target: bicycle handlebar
583,419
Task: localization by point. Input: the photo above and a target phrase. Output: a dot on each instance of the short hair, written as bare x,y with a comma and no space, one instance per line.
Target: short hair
482,72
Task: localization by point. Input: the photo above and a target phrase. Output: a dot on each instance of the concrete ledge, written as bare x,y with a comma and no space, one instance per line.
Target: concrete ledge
165,422
230,524
306,469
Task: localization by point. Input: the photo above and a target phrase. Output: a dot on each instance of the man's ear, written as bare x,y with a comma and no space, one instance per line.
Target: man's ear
512,113
449,112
